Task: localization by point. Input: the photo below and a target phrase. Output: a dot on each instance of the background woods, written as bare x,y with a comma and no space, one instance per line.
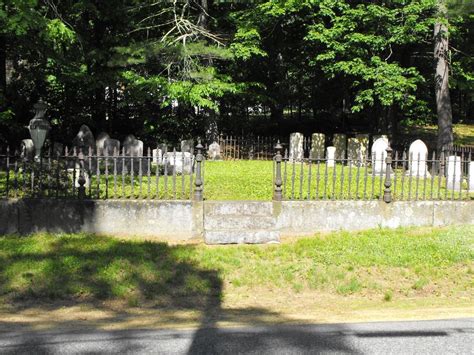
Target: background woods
170,70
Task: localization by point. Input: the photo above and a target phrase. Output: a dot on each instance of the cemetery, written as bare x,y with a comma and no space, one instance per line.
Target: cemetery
220,177
300,187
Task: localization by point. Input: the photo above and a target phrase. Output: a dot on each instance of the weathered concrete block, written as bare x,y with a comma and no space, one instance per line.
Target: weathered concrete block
249,208
453,212
243,222
241,237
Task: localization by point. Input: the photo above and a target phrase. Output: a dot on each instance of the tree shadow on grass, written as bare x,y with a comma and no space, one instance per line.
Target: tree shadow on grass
43,272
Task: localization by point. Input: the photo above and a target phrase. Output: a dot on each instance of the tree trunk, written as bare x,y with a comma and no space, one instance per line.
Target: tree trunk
443,100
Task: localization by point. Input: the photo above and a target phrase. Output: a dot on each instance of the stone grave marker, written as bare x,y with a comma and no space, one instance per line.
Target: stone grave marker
84,140
187,145
99,143
453,173
214,151
180,162
417,156
379,154
318,141
340,142
111,146
296,147
133,148
330,156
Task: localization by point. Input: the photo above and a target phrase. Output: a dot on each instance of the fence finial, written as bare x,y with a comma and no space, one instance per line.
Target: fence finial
198,196
387,195
277,193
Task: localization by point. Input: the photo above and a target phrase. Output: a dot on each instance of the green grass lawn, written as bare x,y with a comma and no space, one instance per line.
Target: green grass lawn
388,264
253,180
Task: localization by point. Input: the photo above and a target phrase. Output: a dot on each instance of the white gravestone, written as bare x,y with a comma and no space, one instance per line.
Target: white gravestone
214,151
379,154
296,147
181,162
471,176
417,156
340,142
133,148
100,143
453,173
377,136
157,155
330,156
112,146
187,145
318,141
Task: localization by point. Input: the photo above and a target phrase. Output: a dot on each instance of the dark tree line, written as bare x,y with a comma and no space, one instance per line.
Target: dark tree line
169,70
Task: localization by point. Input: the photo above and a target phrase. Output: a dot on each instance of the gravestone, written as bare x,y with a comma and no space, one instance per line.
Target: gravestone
187,145
363,140
27,149
179,162
112,146
453,173
471,176
84,140
377,136
214,151
340,142
99,143
158,153
417,156
318,141
330,156
379,154
296,147
133,148
353,151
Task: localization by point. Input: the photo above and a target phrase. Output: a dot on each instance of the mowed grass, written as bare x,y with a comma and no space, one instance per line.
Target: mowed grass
252,180
387,264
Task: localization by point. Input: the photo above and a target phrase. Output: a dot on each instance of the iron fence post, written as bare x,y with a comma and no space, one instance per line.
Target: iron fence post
387,195
198,196
81,190
277,193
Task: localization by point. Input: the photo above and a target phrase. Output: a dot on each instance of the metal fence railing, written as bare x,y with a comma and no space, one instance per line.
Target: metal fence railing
394,176
75,174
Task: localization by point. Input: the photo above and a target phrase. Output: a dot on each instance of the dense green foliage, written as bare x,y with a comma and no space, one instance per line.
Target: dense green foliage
164,70
86,267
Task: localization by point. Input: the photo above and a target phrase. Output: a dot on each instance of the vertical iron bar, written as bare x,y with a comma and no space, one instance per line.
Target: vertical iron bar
148,172
309,178
301,178
350,178
174,174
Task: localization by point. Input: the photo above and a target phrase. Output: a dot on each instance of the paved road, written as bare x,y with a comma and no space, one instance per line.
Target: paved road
424,337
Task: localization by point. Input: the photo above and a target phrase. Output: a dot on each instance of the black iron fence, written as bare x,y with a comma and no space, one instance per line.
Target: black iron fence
251,148
389,176
177,176
78,174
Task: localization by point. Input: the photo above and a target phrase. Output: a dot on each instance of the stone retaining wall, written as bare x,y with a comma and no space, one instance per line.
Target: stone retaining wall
219,222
